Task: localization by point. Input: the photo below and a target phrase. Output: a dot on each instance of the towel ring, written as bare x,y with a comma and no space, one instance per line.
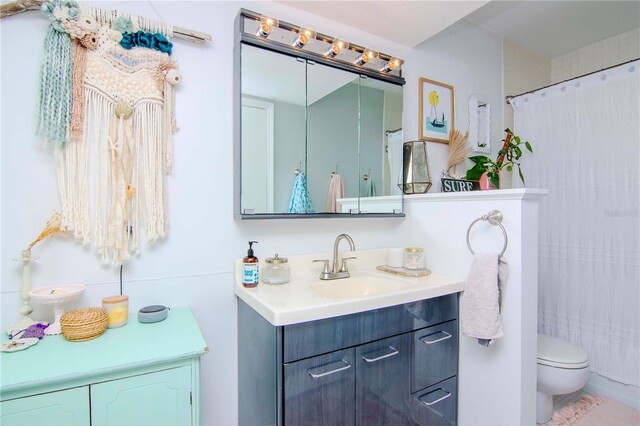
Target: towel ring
494,217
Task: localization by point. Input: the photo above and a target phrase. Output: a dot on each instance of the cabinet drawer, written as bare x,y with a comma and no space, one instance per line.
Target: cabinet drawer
316,337
436,405
320,390
435,354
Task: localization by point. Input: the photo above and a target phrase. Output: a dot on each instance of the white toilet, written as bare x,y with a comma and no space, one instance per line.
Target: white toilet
562,368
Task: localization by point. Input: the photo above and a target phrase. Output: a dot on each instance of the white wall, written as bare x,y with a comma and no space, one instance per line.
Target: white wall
497,385
523,71
469,58
611,51
194,267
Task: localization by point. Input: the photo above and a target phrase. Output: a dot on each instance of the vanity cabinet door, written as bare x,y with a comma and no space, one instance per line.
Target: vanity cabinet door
67,407
382,381
160,398
320,390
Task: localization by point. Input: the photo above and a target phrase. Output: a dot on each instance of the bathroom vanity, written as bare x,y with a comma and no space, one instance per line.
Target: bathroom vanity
136,374
359,351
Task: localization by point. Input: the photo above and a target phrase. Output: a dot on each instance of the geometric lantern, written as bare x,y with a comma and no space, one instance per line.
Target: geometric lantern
416,177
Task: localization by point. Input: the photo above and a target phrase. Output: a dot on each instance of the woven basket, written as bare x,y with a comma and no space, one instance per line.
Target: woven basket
83,324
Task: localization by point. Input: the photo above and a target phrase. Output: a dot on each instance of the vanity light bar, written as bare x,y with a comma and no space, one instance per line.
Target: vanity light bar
304,35
366,56
267,24
338,44
392,65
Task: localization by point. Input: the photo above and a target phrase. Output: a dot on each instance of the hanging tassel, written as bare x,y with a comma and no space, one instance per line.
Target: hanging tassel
119,220
172,78
54,112
148,127
72,169
77,98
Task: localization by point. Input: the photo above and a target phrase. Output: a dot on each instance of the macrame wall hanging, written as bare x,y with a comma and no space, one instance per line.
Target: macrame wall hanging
106,103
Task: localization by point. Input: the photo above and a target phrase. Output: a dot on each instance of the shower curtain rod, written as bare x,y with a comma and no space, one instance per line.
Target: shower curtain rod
19,6
508,98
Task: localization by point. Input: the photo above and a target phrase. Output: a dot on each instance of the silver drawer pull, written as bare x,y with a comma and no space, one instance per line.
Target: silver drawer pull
448,394
431,342
387,355
326,373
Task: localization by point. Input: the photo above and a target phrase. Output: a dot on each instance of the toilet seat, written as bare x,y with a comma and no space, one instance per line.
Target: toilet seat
560,354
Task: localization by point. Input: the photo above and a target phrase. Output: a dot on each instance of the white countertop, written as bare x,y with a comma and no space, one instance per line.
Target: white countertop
297,302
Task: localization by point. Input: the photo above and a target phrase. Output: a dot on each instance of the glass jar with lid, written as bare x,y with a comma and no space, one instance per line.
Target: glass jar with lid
414,258
276,270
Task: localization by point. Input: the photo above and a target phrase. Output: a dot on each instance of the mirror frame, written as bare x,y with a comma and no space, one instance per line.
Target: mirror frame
474,130
243,37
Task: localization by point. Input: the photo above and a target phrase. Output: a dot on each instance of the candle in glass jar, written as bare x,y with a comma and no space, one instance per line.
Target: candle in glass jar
117,308
414,258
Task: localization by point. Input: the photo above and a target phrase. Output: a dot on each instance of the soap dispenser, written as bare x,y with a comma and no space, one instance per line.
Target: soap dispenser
250,271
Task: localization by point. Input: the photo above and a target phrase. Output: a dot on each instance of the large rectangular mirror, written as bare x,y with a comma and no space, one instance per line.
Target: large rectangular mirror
315,139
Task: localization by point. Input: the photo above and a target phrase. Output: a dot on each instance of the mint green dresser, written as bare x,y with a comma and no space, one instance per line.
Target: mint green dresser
139,374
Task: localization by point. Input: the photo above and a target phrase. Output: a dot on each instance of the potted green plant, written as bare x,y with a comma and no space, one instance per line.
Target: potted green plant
508,157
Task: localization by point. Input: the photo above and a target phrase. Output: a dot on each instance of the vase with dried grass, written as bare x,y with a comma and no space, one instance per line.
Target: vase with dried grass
52,227
459,149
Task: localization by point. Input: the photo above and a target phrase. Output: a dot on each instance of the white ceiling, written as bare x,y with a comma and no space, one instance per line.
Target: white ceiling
553,28
550,28
405,22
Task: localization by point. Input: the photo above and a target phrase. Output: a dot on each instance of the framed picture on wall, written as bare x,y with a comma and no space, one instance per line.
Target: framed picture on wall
436,110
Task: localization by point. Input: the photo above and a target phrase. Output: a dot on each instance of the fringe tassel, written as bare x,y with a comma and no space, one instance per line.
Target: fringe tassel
54,112
128,157
169,125
77,98
172,78
122,191
148,128
71,170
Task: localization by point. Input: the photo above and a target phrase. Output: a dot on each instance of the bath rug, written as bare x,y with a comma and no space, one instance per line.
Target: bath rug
590,410
610,413
575,411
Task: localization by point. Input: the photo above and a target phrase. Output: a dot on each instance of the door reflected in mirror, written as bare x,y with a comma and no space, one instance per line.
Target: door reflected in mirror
317,139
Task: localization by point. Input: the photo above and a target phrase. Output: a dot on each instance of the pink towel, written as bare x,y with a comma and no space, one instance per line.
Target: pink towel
336,190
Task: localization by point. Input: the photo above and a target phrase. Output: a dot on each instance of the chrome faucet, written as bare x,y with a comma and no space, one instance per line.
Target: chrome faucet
335,272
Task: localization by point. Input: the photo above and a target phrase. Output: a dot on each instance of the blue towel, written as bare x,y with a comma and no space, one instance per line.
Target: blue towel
300,199
372,192
368,188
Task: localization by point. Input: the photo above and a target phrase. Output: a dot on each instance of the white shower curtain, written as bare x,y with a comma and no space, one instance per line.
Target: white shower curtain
586,140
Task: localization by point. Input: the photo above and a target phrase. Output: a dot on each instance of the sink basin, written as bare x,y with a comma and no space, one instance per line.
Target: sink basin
358,285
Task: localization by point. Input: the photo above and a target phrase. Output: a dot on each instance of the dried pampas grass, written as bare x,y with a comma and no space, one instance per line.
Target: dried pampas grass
53,227
458,148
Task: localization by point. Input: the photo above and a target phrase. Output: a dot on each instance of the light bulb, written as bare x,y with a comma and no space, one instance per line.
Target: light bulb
392,65
267,24
339,44
366,56
304,35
